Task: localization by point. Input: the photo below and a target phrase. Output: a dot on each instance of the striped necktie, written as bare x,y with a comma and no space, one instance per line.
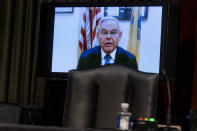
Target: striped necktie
107,59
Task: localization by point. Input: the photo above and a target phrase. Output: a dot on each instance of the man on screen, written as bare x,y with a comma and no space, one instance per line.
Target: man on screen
108,51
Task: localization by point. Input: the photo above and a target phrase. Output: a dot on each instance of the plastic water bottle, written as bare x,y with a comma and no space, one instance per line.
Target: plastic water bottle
124,118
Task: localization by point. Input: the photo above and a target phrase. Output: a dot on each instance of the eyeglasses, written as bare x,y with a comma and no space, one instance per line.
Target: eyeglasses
112,33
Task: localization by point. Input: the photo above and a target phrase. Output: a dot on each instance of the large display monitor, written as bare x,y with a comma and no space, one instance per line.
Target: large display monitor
149,31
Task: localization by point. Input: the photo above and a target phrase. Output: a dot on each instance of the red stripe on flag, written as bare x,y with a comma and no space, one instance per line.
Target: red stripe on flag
83,33
80,45
84,17
98,10
97,22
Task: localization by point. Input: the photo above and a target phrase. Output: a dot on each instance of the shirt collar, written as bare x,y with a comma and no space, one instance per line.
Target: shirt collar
112,54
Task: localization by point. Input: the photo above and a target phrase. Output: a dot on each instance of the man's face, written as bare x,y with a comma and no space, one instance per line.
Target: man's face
109,35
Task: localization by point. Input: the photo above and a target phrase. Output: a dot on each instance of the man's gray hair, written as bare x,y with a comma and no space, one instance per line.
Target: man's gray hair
108,18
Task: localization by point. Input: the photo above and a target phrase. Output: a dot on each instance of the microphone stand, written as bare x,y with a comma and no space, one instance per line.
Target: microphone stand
169,101
168,116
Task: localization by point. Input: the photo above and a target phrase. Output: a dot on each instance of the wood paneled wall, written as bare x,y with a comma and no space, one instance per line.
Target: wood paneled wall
194,91
187,69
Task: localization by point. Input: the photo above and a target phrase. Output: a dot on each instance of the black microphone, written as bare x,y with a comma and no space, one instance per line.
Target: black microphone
168,116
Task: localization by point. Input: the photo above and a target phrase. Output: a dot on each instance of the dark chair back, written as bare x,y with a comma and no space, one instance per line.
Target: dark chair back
94,96
10,113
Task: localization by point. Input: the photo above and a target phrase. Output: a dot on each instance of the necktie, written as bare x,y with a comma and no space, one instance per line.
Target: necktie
107,59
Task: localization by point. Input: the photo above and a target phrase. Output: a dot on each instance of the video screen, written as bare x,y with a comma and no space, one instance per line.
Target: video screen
75,31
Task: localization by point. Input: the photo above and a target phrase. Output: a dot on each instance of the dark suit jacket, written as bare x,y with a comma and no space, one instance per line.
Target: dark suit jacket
91,58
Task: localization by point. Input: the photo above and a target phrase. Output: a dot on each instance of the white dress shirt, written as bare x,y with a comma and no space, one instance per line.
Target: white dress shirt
112,54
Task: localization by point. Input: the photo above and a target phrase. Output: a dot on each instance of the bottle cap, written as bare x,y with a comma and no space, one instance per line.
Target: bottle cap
124,105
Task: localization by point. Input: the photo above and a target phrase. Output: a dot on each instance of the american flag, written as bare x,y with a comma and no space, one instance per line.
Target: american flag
91,18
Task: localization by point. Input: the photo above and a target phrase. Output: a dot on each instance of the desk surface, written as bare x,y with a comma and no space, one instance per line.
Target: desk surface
19,127
173,126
